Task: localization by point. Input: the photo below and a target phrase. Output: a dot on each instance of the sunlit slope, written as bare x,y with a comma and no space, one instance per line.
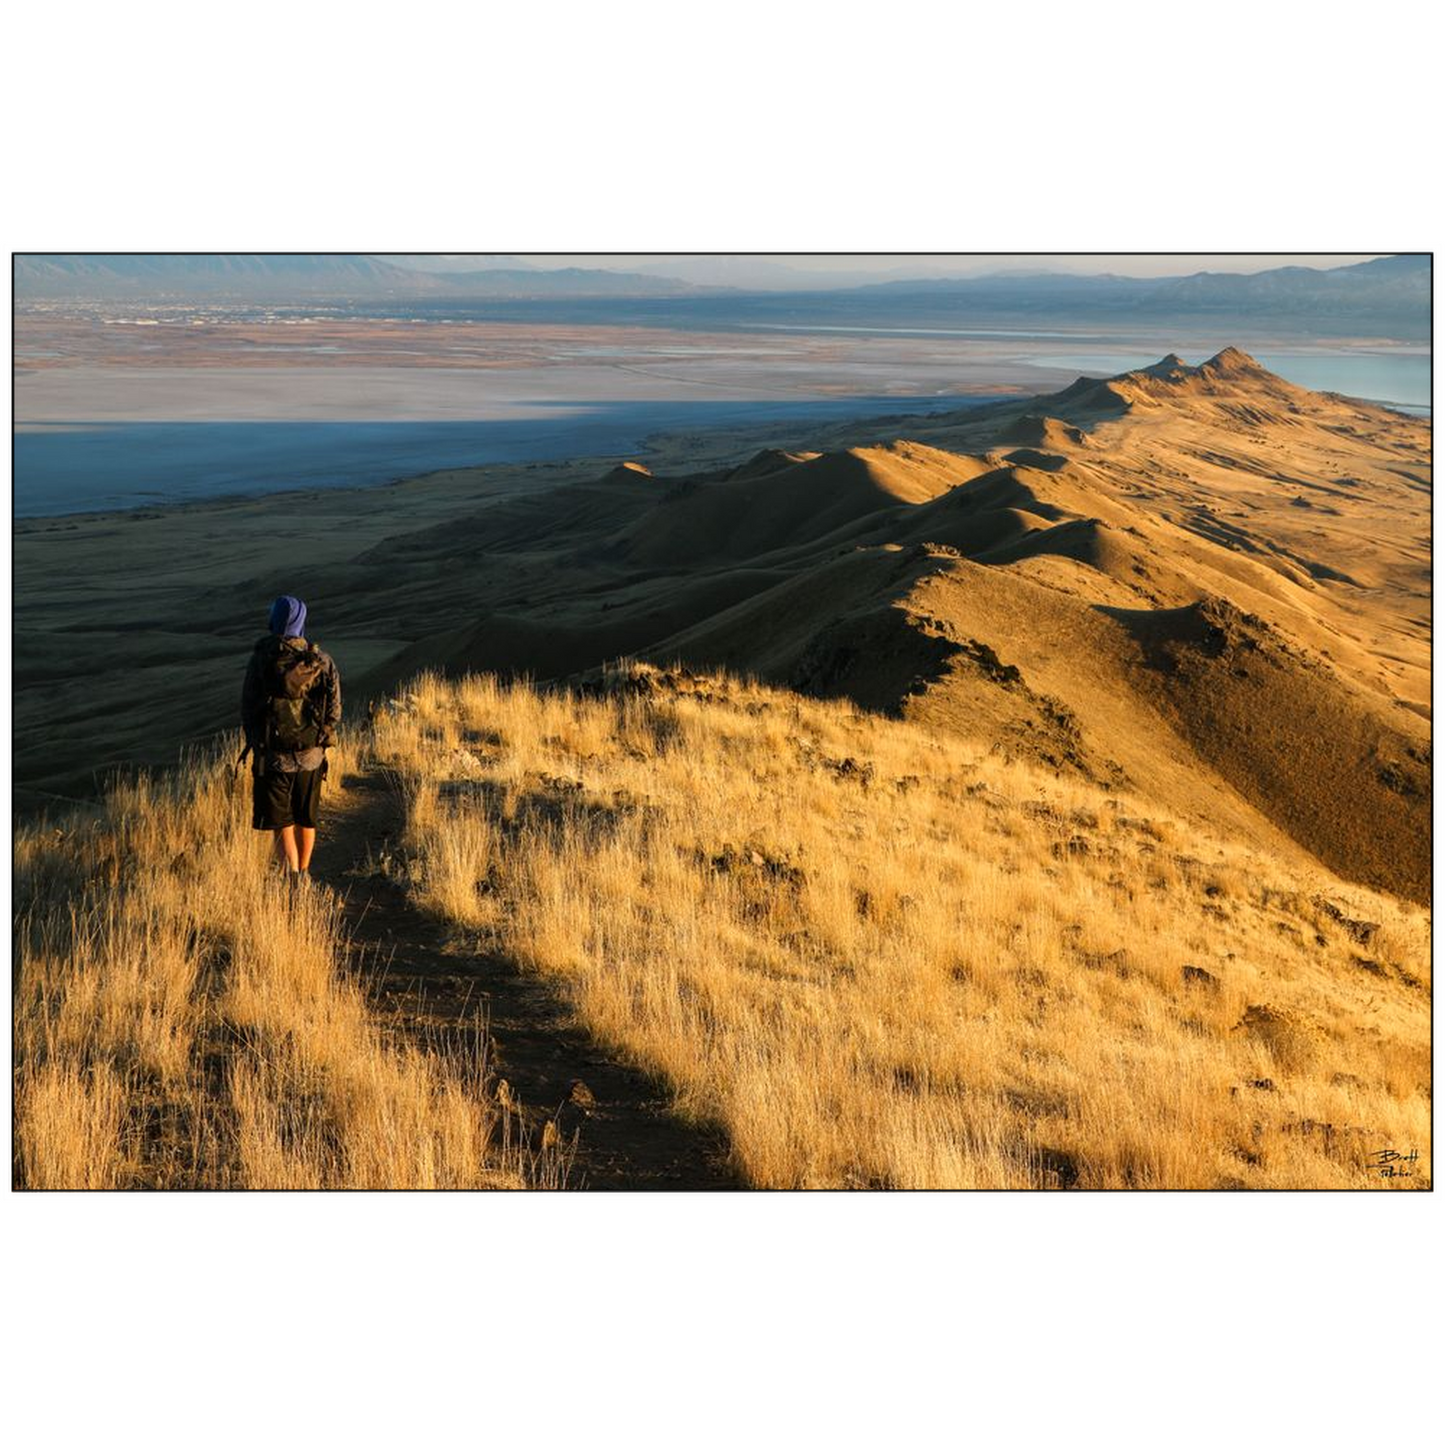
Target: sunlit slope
1203,581
880,954
1127,650
183,1020
778,502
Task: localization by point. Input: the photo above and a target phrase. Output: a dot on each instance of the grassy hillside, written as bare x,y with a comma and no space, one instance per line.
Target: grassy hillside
183,1020
869,954
880,956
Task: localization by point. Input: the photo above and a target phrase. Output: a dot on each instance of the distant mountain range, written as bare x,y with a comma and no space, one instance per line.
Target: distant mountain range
1391,284
280,278
1389,296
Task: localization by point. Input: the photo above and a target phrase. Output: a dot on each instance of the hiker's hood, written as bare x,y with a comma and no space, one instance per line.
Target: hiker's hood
288,617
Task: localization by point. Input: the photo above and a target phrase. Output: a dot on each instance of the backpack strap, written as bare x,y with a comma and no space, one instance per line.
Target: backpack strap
267,646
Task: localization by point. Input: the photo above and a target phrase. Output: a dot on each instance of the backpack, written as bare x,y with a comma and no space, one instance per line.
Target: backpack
289,676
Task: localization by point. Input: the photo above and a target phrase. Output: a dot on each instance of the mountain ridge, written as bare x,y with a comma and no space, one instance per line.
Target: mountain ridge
1394,288
1000,571
884,573
281,277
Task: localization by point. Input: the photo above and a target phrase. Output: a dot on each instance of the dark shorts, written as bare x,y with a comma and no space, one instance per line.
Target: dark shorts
281,799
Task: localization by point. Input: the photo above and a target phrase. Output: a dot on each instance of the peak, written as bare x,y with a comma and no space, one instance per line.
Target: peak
765,462
1172,365
1232,359
1035,429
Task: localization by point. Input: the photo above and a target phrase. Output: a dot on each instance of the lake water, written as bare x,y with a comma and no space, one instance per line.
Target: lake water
81,467
114,463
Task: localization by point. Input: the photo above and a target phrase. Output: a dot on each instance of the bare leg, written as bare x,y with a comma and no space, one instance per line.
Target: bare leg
305,842
286,848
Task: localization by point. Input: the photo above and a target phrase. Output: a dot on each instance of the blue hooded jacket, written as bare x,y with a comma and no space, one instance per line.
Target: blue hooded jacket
288,617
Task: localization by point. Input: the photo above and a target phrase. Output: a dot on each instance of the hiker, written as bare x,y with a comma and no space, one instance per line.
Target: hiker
290,708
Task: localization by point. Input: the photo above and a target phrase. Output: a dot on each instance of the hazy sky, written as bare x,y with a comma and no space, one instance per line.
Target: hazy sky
791,270
945,264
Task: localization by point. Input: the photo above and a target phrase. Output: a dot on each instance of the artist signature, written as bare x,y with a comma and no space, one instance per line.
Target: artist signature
1391,1164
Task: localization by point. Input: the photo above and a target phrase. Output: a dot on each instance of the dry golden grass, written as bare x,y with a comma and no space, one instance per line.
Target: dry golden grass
879,957
182,1019
873,955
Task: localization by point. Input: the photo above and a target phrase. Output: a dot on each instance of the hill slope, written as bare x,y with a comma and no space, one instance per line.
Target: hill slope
1201,583
1204,583
721,935
876,955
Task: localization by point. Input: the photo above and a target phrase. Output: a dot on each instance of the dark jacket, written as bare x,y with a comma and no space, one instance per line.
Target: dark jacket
325,700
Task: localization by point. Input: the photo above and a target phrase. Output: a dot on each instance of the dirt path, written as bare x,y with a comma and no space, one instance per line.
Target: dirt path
627,1137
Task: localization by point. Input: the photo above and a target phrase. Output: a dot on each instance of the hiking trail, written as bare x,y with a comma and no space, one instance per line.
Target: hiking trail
627,1136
